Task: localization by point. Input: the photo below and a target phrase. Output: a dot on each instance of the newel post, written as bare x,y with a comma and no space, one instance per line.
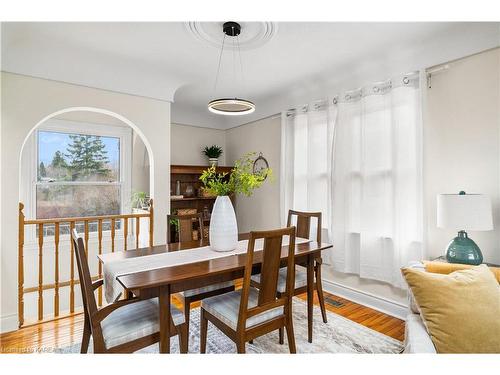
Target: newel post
151,222
20,265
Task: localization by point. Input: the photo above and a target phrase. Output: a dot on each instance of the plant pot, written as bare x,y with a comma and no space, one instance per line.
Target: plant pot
213,161
223,234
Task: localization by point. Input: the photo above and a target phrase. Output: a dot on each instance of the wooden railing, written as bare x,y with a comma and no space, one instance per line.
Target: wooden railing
39,225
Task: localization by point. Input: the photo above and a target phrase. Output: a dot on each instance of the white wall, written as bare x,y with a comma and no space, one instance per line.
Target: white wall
462,144
26,101
189,141
140,165
262,210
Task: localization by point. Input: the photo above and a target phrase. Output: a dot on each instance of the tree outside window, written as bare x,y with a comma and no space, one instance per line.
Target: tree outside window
78,175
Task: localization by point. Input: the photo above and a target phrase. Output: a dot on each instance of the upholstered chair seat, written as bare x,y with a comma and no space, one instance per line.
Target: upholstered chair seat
226,307
206,289
300,279
134,321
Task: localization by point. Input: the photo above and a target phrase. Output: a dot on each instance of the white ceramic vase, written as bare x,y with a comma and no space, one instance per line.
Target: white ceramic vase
223,232
213,161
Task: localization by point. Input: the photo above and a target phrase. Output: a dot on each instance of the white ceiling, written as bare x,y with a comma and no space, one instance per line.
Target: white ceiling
286,64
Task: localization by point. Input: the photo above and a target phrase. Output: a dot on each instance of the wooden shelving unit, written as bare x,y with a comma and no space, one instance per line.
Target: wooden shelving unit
188,175
195,169
193,199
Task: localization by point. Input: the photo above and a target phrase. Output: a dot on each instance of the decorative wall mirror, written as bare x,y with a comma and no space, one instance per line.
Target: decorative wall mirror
260,164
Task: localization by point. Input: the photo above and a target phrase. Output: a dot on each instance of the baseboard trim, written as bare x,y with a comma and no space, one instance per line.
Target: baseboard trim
385,305
8,323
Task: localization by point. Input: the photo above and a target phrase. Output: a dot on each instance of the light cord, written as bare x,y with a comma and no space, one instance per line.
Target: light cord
218,68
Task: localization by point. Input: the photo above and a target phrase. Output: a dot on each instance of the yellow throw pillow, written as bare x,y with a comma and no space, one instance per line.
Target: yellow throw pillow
461,310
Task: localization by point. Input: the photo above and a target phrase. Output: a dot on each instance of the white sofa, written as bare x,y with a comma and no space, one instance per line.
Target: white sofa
417,340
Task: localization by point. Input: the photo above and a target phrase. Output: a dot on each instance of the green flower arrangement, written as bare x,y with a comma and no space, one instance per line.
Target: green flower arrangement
241,180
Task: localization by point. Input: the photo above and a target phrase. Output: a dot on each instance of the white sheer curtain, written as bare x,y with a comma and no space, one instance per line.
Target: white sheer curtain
306,145
357,159
376,180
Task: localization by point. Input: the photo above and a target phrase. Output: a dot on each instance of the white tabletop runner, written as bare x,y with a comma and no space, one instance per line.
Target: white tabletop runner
114,268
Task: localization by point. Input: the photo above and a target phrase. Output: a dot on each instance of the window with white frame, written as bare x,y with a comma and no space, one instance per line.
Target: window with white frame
79,170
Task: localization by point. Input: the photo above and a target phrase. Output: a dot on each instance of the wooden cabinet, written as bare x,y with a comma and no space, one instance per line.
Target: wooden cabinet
188,177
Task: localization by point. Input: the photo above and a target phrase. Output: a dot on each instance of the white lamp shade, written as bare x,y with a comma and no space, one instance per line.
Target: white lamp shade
464,212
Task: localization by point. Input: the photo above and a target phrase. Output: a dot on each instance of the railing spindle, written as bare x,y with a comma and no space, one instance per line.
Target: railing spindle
125,233
40,271
20,265
112,235
56,270
99,236
137,230
72,272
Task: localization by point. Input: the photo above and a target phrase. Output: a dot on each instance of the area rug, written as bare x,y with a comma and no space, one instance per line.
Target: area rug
339,335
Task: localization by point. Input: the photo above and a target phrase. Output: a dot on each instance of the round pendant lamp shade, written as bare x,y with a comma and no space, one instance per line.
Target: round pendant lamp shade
231,107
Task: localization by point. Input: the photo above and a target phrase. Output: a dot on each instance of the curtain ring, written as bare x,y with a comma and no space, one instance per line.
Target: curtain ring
348,97
335,101
376,89
406,80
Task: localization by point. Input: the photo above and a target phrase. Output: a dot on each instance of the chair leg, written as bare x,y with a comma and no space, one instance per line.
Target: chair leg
290,336
86,336
203,331
187,311
183,338
240,347
319,291
281,333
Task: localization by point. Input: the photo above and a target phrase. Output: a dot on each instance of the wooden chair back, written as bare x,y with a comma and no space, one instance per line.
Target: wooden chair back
88,297
304,223
185,226
270,268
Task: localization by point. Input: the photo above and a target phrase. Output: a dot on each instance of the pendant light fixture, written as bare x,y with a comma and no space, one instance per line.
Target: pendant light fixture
230,106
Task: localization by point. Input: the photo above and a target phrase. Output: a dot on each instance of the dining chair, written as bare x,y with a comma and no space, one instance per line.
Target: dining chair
185,227
303,226
195,295
248,313
123,326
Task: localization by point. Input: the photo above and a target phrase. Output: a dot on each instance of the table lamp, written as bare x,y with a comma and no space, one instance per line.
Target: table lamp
464,212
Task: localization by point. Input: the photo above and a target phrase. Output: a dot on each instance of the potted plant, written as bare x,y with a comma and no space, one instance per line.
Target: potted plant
212,153
139,200
223,232
175,223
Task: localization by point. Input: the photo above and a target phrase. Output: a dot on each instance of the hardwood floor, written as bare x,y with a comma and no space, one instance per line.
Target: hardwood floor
67,331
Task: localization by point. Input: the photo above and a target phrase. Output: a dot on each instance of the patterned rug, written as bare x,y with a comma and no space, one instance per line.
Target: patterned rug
339,335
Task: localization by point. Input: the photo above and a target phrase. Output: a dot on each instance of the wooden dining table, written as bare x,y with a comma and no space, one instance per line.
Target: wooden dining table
163,282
